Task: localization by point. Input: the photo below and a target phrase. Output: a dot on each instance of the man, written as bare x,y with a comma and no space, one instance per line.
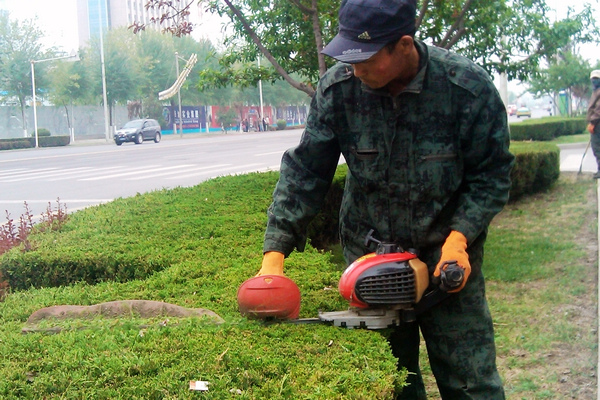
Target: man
593,118
425,137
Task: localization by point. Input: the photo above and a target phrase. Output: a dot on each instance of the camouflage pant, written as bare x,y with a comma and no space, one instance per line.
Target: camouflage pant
459,337
595,144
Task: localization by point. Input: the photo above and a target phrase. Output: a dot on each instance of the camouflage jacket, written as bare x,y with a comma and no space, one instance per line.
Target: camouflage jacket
430,160
593,112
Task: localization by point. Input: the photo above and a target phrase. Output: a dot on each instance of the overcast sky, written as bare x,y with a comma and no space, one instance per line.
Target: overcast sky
58,19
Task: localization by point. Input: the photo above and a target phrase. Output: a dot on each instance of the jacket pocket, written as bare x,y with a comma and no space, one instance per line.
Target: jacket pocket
364,154
438,176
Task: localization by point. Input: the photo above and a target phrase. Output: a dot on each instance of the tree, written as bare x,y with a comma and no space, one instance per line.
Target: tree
122,71
566,72
69,84
19,45
512,37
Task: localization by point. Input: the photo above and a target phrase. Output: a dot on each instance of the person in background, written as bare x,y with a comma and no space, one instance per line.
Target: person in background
424,134
593,118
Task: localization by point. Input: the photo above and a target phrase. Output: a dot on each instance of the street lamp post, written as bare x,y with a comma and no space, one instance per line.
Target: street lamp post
179,98
103,68
33,62
260,92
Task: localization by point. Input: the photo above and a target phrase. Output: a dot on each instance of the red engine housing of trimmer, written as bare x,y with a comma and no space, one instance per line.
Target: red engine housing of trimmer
380,280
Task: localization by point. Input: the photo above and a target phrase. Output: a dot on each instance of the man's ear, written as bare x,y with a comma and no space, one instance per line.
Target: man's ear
405,45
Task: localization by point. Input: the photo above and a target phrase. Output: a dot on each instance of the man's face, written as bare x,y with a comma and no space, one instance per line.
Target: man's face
378,70
385,66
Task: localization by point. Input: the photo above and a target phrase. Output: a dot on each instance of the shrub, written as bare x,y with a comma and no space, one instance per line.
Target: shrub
19,143
28,142
43,132
54,141
281,124
546,129
536,169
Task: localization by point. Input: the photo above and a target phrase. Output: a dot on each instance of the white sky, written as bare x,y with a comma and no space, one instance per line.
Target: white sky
58,19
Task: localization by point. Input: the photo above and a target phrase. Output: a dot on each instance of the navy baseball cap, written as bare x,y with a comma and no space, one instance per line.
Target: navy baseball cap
365,26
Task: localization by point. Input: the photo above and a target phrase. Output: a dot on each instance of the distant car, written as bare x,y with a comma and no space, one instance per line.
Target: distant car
137,131
523,112
512,109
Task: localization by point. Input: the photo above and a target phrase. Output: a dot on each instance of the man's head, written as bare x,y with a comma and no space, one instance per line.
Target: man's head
595,78
366,26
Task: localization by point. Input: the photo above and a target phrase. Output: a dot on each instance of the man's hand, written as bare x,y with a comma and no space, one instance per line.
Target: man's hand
454,249
590,128
269,294
272,264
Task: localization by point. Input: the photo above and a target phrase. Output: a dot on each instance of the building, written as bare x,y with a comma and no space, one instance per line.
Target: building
3,7
91,14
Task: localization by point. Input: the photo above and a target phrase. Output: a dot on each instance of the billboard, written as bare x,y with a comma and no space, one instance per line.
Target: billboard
193,118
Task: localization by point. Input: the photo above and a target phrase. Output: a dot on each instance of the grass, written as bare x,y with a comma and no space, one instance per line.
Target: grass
581,138
198,244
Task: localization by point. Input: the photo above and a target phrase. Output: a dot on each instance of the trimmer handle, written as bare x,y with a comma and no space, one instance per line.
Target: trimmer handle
451,276
382,247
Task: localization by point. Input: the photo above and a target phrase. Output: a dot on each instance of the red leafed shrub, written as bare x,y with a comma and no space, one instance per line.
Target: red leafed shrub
14,233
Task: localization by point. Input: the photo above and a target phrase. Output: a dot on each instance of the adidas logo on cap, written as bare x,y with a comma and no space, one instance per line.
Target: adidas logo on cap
364,36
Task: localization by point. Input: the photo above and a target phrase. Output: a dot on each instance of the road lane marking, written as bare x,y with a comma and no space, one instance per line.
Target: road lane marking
11,171
92,171
53,201
214,170
137,170
39,175
269,154
137,178
28,173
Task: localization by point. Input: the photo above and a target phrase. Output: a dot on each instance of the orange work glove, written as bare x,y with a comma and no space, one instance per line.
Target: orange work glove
454,249
590,128
272,264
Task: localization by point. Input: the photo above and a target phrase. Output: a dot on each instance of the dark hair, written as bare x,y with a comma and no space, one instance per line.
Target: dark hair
392,45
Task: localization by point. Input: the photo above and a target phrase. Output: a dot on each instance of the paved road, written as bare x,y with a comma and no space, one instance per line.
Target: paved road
89,173
83,174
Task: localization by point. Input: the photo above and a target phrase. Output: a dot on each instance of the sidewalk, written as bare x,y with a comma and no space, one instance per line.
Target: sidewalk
572,158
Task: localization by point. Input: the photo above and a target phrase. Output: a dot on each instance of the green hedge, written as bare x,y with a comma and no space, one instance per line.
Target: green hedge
536,169
545,129
192,247
53,141
11,144
135,246
29,142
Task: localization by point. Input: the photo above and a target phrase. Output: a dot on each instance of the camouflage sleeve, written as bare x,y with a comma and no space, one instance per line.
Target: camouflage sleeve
593,113
305,177
485,141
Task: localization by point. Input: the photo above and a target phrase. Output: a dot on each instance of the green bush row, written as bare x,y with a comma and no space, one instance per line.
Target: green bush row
192,247
29,142
536,169
11,144
130,242
546,129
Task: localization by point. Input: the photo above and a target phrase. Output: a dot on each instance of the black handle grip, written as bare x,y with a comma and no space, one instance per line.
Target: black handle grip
451,276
